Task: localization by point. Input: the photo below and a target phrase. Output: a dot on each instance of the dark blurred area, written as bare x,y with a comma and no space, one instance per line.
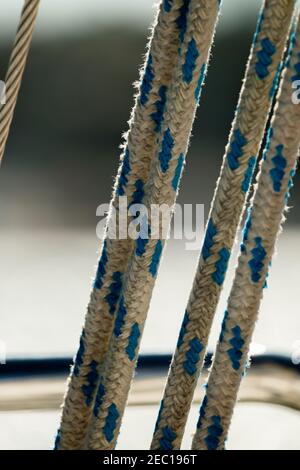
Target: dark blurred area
63,150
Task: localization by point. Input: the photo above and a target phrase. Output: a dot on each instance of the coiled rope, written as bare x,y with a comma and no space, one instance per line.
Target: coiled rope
236,174
260,234
182,100
141,146
16,68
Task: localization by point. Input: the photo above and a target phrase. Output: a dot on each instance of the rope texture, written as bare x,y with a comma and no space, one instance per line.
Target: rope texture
182,100
16,68
141,144
236,174
260,234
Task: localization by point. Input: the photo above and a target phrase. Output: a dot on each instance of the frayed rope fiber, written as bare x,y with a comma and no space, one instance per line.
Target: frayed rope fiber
141,144
16,68
260,234
181,104
232,188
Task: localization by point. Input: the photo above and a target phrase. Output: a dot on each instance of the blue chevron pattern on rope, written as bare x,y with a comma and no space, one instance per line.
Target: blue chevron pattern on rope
123,180
249,174
202,412
192,356
120,319
147,81
211,232
183,329
257,262
160,105
156,258
290,185
189,65
265,58
165,154
235,353
166,442
101,267
236,150
278,172
139,192
143,239
223,327
141,244
200,82
276,81
215,431
181,21
114,292
221,266
79,356
168,5
92,378
133,341
111,422
178,172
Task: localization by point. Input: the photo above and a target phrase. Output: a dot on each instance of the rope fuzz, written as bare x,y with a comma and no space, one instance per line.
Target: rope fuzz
236,174
260,234
16,68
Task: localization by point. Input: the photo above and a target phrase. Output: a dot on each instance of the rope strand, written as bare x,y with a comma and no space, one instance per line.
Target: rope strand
238,165
16,68
260,234
182,100
141,144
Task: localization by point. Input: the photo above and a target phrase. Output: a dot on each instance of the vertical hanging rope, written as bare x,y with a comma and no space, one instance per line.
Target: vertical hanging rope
230,195
141,143
182,100
16,68
261,230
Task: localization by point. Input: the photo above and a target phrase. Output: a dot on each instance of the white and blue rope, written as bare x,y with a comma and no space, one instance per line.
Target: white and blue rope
239,162
16,68
260,234
181,104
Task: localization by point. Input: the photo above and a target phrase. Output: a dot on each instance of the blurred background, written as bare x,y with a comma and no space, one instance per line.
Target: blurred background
61,159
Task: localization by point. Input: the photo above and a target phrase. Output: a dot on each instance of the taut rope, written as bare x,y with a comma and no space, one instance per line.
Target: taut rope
239,162
181,104
260,234
16,68
141,146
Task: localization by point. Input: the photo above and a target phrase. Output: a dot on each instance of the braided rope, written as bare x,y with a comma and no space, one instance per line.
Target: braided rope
182,100
16,68
260,234
142,140
230,195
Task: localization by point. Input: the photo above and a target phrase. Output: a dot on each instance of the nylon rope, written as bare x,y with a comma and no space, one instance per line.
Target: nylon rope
232,188
16,68
260,234
181,104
